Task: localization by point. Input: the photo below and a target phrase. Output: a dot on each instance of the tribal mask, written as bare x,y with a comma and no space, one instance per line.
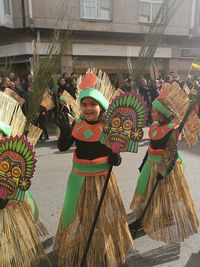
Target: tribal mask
17,165
123,123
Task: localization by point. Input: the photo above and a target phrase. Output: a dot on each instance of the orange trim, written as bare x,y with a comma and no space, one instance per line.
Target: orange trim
157,132
155,151
88,161
89,173
81,127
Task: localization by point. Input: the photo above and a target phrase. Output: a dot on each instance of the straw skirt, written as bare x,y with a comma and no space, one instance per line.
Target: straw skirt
171,216
20,245
111,240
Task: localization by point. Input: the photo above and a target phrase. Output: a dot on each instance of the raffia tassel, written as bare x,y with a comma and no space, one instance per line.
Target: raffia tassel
19,242
41,229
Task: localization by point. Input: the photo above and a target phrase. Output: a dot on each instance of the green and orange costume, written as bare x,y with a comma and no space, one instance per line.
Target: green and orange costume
20,227
171,216
111,240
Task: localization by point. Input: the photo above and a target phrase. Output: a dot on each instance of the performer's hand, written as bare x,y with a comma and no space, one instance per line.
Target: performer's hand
114,159
3,203
62,121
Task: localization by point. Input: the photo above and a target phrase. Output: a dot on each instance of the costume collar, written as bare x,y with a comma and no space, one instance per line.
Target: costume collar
157,131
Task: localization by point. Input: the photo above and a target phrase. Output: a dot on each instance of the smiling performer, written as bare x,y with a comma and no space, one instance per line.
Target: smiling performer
111,240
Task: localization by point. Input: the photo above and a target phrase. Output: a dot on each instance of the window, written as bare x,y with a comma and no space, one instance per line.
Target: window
148,10
6,4
6,17
190,52
96,9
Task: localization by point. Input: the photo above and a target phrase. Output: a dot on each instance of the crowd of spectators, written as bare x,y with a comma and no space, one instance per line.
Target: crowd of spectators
23,87
150,89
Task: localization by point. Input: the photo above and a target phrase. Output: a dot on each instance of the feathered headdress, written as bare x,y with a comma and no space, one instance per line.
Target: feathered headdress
88,90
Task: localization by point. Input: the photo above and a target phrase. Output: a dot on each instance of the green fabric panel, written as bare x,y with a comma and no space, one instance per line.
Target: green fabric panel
5,129
88,133
155,158
73,190
146,172
91,167
144,177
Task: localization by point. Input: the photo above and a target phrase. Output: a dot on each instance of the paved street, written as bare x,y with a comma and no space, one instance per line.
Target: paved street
49,186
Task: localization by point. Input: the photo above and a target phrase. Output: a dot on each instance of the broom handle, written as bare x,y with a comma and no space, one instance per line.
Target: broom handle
83,261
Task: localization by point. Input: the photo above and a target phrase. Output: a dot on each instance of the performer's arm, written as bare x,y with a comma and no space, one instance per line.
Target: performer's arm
65,140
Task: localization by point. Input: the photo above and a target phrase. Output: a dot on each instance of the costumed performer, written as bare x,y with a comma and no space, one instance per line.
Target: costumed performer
20,227
171,216
91,160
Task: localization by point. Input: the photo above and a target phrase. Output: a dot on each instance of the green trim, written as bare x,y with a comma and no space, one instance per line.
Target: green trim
5,128
155,158
161,108
73,190
92,168
144,176
95,94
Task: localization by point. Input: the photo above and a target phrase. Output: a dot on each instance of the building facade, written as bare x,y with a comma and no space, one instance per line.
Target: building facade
105,34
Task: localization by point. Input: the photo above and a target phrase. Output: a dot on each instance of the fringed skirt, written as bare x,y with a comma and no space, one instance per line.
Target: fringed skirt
20,245
171,216
111,240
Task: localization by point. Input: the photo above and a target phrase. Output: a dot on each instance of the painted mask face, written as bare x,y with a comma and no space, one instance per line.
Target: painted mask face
17,164
12,171
123,124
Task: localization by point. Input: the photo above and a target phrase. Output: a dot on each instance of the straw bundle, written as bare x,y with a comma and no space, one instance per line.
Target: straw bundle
14,95
178,101
33,134
73,104
11,114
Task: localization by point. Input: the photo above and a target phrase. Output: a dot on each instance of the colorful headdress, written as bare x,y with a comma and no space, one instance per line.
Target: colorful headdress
88,90
157,104
177,100
17,165
124,120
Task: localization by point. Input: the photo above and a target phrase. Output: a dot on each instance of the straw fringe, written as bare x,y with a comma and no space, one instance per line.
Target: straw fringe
19,244
11,114
111,240
178,101
171,216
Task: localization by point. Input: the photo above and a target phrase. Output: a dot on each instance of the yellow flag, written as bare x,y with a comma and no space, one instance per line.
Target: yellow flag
196,66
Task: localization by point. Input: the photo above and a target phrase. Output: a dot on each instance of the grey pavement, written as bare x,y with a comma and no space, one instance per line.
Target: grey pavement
49,184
